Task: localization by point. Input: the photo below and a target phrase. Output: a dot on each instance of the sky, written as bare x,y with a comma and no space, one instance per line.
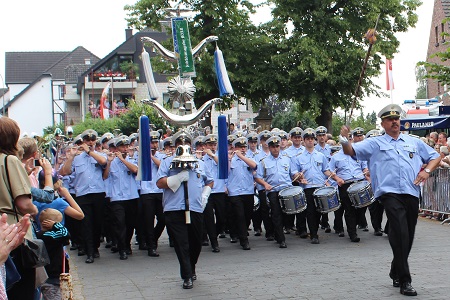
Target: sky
99,26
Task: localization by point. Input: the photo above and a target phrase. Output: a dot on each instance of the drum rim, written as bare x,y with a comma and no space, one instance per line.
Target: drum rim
290,188
323,188
366,184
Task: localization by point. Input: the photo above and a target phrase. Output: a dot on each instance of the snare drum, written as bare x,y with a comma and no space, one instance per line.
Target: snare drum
360,194
292,200
326,199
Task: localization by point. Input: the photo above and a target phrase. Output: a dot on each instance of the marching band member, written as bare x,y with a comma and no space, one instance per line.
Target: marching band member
262,213
313,166
376,209
187,238
89,189
395,162
151,198
358,136
324,148
122,171
240,190
214,213
347,171
274,173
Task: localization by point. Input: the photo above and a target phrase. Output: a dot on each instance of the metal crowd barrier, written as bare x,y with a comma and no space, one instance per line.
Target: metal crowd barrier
436,193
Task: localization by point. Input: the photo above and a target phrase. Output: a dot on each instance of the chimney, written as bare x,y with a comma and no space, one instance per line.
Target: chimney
128,33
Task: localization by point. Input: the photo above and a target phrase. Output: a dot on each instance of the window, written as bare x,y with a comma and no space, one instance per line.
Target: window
436,36
87,61
439,87
62,91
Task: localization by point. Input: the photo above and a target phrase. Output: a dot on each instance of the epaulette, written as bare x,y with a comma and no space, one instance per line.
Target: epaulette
262,159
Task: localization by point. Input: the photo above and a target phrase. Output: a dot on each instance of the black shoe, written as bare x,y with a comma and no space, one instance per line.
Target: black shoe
378,233
194,277
407,290
270,238
215,249
123,255
365,229
303,235
171,243
205,243
153,253
355,239
341,234
315,241
328,229
114,249
233,240
258,232
81,252
74,246
143,246
96,254
108,245
136,243
188,284
245,246
286,231
89,259
395,283
283,244
222,235
128,251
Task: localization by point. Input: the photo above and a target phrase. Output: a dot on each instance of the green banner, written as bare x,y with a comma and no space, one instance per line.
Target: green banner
183,48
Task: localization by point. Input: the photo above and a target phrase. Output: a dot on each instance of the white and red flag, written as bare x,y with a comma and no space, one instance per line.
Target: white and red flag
104,106
389,77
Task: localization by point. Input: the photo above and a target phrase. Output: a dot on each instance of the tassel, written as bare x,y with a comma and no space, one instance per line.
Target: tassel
151,85
222,75
223,147
145,161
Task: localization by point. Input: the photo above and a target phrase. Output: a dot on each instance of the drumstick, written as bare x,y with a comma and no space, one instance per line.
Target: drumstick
332,173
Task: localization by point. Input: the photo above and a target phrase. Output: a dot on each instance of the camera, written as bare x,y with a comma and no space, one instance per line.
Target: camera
36,163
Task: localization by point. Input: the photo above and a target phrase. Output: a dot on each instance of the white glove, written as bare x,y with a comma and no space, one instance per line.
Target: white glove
343,140
205,195
175,181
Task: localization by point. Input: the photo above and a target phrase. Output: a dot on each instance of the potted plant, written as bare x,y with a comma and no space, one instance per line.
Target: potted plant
130,68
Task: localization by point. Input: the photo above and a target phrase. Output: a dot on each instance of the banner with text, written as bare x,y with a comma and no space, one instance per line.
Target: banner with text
183,48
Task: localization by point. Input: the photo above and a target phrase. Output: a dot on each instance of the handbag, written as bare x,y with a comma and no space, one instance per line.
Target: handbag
33,252
12,275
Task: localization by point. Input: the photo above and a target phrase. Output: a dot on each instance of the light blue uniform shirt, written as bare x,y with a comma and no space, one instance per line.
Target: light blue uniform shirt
292,151
325,150
276,171
312,165
394,164
198,178
122,181
68,182
252,154
346,167
240,178
258,157
213,168
88,171
149,187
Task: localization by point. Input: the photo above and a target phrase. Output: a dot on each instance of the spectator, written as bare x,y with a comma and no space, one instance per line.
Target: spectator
168,132
120,104
55,237
445,162
18,183
434,137
442,139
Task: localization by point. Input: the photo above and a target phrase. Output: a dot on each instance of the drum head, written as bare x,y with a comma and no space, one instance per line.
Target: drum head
290,191
357,186
324,191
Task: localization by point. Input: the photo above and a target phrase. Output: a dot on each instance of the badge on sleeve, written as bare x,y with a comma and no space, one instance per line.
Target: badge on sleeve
411,155
198,175
286,168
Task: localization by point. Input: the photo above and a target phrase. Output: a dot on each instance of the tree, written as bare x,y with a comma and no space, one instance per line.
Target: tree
321,59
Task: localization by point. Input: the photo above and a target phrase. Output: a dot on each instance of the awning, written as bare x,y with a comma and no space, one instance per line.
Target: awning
440,122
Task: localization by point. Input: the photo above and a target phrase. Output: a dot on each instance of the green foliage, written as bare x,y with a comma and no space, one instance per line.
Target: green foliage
287,120
367,122
51,129
129,122
130,68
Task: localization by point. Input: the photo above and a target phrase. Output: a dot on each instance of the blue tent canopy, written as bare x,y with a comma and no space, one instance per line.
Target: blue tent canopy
440,122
